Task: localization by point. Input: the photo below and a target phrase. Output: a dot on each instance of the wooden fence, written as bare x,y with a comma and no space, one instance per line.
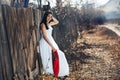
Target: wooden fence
19,36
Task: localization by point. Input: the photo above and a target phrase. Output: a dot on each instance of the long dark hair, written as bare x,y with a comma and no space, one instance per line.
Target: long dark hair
44,19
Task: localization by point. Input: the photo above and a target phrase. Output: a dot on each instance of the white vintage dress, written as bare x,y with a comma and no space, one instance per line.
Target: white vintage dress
46,55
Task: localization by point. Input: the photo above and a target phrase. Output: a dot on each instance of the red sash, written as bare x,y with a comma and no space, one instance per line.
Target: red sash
55,58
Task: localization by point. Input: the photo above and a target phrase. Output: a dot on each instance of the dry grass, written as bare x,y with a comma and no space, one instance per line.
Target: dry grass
96,56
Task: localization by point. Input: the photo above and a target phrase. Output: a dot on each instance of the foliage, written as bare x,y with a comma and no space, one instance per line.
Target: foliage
73,21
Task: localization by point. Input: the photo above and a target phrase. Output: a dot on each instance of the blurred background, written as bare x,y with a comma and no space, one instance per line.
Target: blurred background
88,33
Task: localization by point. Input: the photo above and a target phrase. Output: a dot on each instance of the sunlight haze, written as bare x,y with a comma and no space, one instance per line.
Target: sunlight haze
73,2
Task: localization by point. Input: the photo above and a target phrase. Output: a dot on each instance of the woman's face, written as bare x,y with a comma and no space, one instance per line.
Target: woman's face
49,17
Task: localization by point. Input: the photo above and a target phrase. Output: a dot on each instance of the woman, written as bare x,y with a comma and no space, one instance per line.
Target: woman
48,44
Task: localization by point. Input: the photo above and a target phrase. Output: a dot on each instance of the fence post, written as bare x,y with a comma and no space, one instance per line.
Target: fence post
6,71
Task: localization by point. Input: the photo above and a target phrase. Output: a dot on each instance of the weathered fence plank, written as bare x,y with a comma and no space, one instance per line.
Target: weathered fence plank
5,61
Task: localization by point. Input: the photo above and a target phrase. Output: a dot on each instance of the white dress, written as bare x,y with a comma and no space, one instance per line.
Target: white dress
46,55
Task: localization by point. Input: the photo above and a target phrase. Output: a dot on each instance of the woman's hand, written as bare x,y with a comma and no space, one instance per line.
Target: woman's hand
54,22
54,49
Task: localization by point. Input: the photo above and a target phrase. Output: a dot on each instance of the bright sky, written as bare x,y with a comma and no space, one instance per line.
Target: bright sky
53,2
101,2
97,2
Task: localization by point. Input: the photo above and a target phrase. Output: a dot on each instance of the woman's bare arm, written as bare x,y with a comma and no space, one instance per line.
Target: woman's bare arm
54,22
43,28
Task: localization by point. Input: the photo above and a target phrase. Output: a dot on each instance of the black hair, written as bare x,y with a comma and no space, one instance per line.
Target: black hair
44,19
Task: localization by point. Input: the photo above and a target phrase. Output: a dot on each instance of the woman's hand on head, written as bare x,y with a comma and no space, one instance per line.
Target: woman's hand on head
54,22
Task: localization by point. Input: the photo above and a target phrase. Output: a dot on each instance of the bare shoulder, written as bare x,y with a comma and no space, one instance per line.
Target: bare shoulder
42,26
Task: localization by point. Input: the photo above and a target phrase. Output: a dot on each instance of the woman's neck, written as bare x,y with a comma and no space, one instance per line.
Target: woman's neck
48,24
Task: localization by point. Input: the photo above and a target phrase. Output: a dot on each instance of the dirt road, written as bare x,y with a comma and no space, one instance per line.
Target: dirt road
114,27
96,56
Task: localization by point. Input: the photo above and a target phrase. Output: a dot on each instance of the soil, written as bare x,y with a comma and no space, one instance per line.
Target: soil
95,56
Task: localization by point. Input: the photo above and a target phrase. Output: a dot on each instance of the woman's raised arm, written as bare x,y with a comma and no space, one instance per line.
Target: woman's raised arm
54,22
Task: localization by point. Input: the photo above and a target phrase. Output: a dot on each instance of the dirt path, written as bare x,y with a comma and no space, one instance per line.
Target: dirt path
114,27
96,56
